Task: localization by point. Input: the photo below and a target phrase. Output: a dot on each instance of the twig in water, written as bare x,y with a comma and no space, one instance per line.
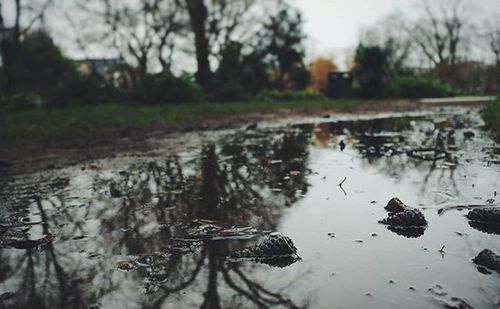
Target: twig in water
340,185
460,207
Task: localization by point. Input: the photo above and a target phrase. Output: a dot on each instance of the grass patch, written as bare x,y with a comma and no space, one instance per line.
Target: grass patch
60,122
491,116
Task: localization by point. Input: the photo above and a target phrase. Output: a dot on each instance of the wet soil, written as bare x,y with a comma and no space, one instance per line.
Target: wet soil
26,154
157,228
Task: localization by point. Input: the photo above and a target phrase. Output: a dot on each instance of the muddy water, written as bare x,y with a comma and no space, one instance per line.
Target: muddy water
131,232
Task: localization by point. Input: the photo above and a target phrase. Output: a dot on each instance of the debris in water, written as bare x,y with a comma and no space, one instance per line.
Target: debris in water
342,145
405,221
342,188
488,259
26,243
277,250
469,134
126,266
486,220
395,205
427,154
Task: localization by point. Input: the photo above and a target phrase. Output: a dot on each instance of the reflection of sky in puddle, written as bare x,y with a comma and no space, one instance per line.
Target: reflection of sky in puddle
275,178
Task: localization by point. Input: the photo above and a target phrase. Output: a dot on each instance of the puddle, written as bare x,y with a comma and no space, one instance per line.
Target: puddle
159,231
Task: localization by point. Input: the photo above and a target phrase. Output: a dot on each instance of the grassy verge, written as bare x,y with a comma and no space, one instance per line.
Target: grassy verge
491,116
60,122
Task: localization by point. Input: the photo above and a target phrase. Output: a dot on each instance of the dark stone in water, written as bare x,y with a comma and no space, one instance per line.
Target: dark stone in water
276,246
485,215
408,232
469,134
395,205
489,228
408,218
342,145
488,259
483,270
486,220
403,220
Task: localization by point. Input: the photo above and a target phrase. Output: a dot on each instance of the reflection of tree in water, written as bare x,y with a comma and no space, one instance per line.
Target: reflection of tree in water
231,185
385,142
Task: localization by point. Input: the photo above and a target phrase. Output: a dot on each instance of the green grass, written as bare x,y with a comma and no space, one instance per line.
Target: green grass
491,116
61,122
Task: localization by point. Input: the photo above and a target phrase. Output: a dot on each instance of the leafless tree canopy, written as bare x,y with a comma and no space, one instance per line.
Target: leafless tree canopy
492,35
440,34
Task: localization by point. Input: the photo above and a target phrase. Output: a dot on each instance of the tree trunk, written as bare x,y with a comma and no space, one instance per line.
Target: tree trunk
497,67
198,16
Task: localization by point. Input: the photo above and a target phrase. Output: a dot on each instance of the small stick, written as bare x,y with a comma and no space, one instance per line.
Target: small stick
470,206
340,185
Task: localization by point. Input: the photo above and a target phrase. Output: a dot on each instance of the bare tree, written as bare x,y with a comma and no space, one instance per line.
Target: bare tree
214,24
144,30
390,33
492,36
440,34
27,14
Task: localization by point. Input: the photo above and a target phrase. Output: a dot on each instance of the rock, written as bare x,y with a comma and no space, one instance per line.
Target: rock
342,145
395,205
409,223
488,259
408,218
277,250
486,220
485,215
252,126
469,134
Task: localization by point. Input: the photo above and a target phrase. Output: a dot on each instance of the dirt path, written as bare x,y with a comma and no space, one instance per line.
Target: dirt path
31,155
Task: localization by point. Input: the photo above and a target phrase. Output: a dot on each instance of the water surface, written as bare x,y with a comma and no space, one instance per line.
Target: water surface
282,177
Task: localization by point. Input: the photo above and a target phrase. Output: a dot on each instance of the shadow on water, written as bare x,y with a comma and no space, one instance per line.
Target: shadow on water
155,232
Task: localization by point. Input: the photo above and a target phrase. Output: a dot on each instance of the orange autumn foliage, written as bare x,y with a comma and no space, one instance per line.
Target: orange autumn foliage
319,73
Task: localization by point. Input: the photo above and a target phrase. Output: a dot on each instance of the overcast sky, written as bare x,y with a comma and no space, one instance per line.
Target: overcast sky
332,26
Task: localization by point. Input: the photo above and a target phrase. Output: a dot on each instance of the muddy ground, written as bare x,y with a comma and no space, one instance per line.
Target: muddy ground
31,155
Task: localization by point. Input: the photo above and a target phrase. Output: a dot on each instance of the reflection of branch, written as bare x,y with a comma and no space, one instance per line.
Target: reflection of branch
256,288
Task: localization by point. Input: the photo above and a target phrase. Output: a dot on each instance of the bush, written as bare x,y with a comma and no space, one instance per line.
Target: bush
41,68
371,72
165,89
228,91
422,87
23,101
491,116
290,96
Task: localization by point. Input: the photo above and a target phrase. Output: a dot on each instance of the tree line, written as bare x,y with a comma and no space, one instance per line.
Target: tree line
238,49
443,51
241,48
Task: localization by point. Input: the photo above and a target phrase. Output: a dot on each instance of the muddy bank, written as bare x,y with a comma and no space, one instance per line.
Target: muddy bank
30,155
